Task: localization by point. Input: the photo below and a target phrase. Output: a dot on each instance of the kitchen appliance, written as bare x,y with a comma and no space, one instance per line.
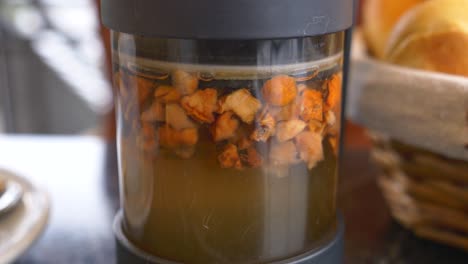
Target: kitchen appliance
228,129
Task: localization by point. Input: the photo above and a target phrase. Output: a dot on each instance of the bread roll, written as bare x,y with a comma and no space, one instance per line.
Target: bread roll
379,18
432,36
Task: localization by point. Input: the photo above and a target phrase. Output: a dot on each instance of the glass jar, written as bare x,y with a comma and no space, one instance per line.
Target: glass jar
228,149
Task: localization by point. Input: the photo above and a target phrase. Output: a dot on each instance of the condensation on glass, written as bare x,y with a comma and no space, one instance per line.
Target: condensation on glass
228,149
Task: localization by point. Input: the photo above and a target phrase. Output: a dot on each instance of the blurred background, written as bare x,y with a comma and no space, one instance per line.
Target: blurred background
52,67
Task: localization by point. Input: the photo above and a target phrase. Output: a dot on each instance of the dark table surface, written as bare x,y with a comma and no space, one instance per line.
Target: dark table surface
81,177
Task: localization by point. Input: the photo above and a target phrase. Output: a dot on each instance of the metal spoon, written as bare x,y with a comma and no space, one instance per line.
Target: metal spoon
10,197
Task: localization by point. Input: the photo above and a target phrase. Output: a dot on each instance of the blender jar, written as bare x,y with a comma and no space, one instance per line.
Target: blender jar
228,129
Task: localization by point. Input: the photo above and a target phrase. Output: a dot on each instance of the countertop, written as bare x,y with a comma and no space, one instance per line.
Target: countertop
80,174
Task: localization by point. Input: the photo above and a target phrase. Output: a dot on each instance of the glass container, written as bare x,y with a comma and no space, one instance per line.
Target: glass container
228,149
228,127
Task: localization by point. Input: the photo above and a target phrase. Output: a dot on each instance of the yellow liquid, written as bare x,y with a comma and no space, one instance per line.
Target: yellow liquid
194,211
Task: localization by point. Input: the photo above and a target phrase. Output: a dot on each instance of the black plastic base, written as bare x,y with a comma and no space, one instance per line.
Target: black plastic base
332,253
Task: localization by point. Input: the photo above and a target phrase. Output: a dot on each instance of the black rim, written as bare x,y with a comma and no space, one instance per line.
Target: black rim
330,253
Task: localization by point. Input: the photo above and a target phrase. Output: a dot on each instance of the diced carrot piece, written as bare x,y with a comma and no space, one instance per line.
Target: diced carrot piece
311,105
280,90
201,105
334,91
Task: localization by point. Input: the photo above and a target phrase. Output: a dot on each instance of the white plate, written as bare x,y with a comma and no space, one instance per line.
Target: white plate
21,226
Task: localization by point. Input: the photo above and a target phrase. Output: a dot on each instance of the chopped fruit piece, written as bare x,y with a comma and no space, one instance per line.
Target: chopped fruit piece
185,152
332,124
252,158
311,105
244,143
310,148
177,118
242,103
316,127
330,118
154,113
172,97
334,91
284,113
289,129
186,83
147,130
172,138
225,126
167,94
162,91
289,121
280,90
187,137
283,154
142,86
201,105
229,158
265,127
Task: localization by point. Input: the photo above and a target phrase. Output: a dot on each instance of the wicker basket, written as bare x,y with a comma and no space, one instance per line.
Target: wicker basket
426,192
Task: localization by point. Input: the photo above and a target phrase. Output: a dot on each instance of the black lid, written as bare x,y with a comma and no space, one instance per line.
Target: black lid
223,19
